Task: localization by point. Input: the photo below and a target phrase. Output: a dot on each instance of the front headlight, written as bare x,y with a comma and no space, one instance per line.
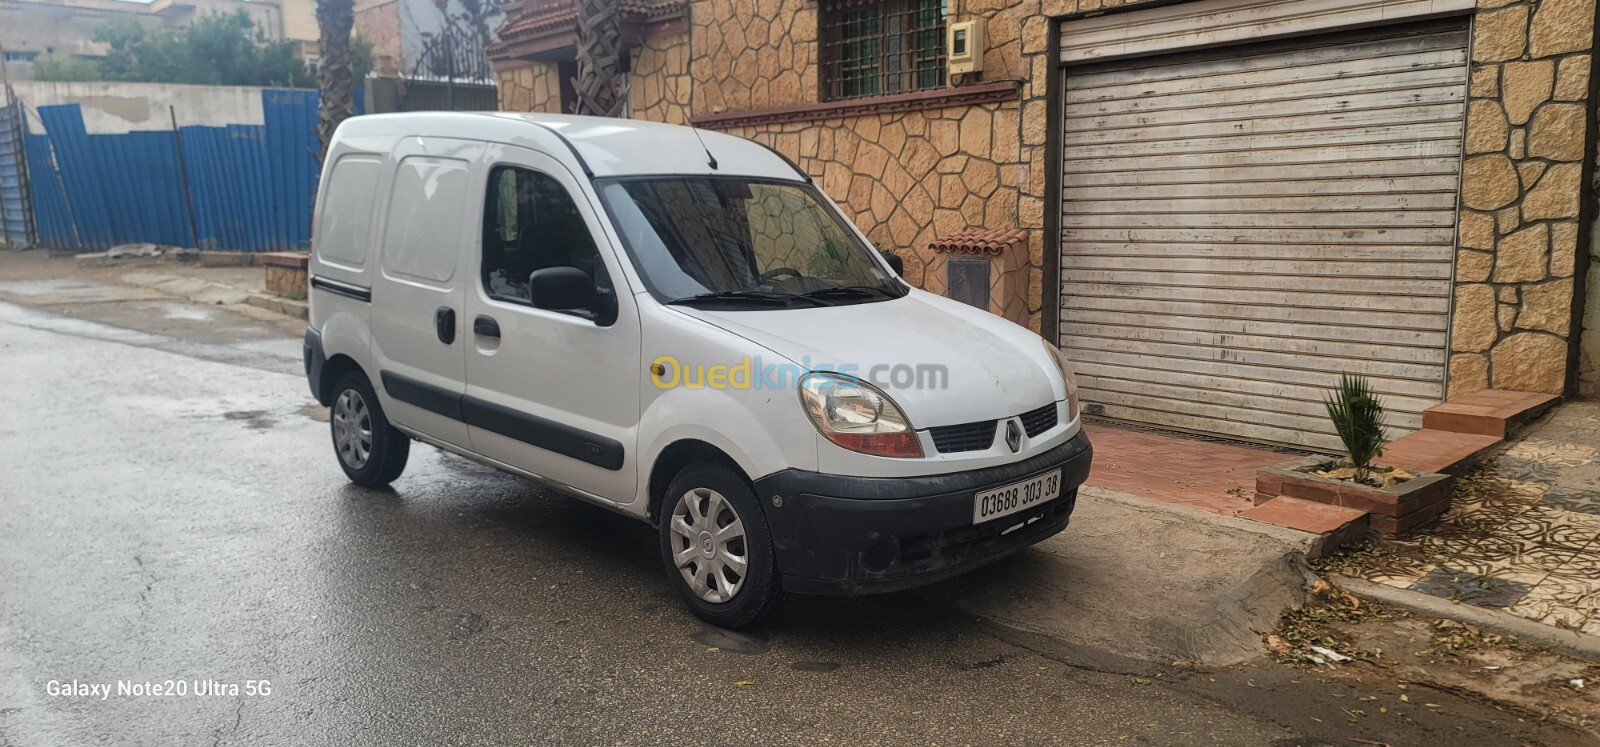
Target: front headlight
1066,376
857,416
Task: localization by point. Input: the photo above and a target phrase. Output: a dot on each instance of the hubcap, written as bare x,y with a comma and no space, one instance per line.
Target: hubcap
708,545
352,429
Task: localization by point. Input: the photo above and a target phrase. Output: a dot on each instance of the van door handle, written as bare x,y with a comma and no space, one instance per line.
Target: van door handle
486,326
444,324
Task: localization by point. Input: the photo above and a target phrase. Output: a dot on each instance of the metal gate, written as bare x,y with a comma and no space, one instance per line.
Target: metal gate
1243,224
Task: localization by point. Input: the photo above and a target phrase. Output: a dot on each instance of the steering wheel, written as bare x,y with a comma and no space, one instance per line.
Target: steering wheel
776,272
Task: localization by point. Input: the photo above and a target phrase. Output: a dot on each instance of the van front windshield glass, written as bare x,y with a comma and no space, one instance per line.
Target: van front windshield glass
743,243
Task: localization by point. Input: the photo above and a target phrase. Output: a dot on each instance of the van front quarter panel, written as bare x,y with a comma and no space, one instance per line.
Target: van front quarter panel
741,429
763,429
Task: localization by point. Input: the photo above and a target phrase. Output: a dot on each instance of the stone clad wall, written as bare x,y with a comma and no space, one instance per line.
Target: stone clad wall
659,86
1526,142
909,178
534,88
906,178
753,54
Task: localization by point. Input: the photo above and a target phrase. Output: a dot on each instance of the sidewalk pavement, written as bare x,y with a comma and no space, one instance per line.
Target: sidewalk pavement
1523,535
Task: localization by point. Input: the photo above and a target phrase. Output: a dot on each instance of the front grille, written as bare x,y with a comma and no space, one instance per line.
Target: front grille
949,439
1038,421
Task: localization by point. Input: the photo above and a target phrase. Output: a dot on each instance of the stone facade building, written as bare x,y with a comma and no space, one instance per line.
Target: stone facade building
1217,206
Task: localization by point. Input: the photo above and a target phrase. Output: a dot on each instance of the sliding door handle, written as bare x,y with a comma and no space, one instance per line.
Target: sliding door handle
486,326
444,324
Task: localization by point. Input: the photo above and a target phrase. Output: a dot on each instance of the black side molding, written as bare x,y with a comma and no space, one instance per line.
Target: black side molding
315,361
343,289
426,396
546,434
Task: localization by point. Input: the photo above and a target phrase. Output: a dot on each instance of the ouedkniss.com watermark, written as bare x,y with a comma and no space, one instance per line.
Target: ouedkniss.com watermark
667,372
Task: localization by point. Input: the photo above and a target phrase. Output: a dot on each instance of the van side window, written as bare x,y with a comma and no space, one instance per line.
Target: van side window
531,223
426,210
344,230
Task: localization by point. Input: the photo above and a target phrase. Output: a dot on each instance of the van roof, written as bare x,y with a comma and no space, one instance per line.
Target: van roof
598,146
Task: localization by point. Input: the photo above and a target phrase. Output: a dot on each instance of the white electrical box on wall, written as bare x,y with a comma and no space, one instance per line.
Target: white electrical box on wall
963,51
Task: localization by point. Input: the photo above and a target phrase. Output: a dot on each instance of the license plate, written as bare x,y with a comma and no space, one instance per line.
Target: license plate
993,504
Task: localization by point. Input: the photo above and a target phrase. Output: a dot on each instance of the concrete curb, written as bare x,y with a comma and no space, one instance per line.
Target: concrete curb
205,291
285,306
194,289
1569,642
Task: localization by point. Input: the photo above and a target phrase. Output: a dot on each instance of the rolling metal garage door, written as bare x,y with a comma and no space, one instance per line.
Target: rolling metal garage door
1242,225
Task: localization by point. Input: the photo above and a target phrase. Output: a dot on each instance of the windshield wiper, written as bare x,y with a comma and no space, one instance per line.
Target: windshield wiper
852,291
761,297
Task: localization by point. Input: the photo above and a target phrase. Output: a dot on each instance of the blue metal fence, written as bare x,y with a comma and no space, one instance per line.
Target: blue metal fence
251,186
16,219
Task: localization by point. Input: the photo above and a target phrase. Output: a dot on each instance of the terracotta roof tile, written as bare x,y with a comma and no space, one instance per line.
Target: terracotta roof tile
539,16
991,241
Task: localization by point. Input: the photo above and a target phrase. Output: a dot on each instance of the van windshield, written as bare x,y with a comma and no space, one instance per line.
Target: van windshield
743,243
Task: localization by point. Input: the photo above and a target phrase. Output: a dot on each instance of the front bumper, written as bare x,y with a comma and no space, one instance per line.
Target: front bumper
869,535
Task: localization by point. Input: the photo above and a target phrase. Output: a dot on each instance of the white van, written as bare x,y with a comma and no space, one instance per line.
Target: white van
677,325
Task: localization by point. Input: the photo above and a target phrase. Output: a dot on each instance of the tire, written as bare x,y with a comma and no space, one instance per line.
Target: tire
706,494
386,449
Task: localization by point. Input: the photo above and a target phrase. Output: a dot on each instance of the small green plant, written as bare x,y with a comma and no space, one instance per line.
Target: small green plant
1357,416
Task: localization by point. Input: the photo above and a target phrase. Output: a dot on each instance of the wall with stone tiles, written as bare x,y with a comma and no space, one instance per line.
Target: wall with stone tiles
1527,138
534,88
908,178
905,178
659,86
753,54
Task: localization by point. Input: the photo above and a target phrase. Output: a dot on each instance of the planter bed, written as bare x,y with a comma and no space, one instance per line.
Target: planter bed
1392,510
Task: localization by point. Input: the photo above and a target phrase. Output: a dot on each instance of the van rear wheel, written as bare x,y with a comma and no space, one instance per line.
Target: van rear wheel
716,547
371,452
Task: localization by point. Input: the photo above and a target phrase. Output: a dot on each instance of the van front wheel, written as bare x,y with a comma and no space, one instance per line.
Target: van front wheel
371,452
716,546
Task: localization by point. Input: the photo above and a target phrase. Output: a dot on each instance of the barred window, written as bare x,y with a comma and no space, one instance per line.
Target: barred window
879,47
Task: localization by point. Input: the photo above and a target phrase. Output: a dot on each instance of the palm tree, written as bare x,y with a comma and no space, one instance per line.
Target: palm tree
334,79
598,84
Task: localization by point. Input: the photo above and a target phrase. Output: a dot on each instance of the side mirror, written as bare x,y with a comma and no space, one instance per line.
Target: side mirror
561,289
896,263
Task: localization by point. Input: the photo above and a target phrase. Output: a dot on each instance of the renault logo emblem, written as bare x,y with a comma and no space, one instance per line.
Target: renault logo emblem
1013,436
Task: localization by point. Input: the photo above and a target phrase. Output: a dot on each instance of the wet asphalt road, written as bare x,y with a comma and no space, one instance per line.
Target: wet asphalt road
170,509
